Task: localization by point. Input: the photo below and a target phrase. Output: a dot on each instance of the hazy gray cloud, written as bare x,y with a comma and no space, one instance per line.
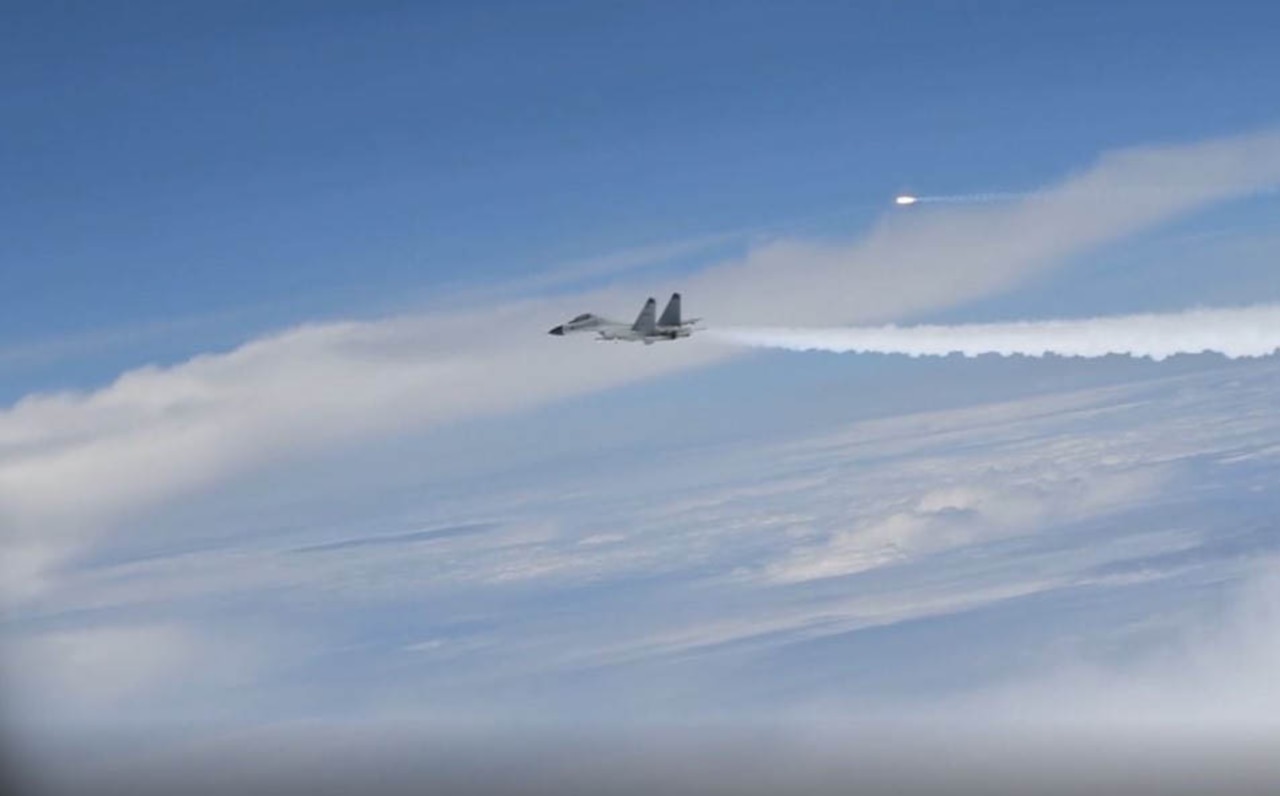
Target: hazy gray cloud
129,672
1217,673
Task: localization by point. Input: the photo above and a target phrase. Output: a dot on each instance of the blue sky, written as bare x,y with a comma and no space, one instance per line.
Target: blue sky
255,166
283,437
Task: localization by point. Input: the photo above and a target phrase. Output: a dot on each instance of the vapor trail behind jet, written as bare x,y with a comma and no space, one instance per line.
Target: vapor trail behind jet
960,198
992,197
1234,332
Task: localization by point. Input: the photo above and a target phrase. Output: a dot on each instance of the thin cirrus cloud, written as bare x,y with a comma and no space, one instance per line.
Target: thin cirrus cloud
72,463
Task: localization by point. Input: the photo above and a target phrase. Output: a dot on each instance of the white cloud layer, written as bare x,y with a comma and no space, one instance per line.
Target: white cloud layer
705,598
73,463
979,510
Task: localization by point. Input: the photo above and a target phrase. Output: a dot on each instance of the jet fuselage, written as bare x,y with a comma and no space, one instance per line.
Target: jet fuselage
645,329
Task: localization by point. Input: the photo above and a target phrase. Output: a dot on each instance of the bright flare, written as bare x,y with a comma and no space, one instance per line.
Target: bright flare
905,200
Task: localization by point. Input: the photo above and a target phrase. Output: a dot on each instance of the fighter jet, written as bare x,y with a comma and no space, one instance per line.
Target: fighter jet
668,326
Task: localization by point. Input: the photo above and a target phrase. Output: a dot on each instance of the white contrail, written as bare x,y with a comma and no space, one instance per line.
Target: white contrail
960,198
1236,332
907,199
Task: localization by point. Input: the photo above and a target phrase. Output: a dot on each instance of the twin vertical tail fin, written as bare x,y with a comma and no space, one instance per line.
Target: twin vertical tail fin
671,315
645,324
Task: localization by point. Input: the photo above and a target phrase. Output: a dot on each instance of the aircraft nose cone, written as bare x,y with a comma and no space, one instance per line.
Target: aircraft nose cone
558,331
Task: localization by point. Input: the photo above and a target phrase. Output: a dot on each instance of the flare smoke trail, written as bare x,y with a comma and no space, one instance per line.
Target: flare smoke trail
1234,332
907,199
960,198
